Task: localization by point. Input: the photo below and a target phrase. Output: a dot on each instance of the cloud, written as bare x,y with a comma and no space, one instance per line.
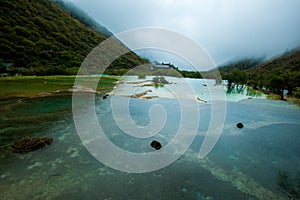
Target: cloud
226,28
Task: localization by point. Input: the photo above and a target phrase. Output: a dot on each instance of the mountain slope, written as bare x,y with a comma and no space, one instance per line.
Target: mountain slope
38,37
290,61
243,64
276,75
81,16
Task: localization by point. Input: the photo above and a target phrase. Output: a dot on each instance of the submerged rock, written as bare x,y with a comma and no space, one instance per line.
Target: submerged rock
288,185
30,144
201,100
155,144
239,125
105,96
138,95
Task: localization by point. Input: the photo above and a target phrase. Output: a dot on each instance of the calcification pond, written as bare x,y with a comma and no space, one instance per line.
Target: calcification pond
259,161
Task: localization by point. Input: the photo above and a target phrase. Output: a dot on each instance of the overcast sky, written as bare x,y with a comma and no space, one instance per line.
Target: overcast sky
227,29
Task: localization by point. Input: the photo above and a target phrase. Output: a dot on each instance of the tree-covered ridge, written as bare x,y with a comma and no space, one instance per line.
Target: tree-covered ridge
243,64
276,76
288,61
83,17
38,37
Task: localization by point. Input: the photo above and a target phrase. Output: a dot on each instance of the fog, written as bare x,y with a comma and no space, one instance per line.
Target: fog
227,29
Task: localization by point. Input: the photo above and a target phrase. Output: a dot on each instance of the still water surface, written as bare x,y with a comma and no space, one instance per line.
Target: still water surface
244,164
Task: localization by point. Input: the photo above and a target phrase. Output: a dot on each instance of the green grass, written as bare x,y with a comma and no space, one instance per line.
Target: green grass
287,98
254,93
32,86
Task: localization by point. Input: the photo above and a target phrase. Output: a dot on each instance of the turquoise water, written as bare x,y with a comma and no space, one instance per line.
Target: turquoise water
244,164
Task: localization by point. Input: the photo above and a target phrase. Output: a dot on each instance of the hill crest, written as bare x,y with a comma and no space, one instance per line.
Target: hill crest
40,38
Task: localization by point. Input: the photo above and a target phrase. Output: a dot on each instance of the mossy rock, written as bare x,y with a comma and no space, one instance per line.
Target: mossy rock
26,145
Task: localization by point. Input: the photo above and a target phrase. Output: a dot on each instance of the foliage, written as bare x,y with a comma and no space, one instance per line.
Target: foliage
274,76
297,92
83,17
190,74
160,80
243,64
40,38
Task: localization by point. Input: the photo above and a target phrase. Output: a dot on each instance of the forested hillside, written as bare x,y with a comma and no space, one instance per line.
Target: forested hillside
37,37
243,64
275,76
83,17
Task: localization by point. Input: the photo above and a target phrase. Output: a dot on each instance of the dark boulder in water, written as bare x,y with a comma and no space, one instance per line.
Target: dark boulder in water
105,96
30,144
239,125
155,144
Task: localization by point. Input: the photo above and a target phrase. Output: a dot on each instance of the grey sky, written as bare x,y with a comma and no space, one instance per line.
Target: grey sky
227,29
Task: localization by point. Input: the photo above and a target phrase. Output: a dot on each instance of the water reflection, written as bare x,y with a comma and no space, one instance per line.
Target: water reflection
242,89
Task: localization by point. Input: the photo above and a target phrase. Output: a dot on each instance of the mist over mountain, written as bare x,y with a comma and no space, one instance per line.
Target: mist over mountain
83,17
276,75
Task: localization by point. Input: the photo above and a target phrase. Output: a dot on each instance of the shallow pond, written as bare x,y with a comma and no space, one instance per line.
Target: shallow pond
244,164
